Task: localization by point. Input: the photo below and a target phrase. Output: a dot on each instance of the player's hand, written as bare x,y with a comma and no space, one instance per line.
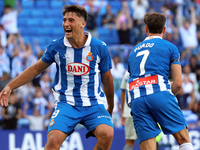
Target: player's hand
123,119
110,111
5,93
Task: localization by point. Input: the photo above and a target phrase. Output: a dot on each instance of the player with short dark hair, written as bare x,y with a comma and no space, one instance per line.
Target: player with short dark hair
79,98
152,97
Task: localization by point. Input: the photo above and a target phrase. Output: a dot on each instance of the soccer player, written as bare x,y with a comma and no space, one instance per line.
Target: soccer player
152,97
80,60
130,134
127,119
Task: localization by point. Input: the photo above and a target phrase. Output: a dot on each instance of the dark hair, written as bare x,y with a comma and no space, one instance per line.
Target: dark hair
155,22
79,10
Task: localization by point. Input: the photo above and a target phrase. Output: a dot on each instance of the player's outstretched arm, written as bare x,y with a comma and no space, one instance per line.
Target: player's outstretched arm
108,87
26,76
176,73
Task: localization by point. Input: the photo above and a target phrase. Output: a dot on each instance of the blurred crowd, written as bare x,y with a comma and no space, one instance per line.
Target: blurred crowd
32,104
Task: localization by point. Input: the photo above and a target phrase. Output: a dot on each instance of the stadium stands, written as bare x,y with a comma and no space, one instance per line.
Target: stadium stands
39,19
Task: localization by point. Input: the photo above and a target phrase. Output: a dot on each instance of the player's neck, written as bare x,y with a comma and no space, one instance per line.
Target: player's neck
78,42
155,34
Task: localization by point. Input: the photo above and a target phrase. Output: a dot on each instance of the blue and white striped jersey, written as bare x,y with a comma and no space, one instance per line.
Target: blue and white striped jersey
77,79
149,66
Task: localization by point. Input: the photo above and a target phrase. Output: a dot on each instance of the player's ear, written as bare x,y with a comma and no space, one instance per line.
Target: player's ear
164,29
146,29
83,23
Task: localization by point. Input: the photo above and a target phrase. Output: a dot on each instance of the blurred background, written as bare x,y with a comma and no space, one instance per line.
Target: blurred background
28,26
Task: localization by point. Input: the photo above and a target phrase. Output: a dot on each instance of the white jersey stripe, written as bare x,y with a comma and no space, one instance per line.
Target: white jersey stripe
85,79
57,59
149,87
136,91
129,96
70,79
96,83
161,83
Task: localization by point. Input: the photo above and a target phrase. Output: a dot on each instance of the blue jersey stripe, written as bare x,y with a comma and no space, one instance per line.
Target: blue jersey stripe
77,79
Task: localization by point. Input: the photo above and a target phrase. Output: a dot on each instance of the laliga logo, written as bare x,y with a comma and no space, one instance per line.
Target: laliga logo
77,69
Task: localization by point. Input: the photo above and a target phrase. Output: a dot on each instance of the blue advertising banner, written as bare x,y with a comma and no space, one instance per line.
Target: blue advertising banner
33,140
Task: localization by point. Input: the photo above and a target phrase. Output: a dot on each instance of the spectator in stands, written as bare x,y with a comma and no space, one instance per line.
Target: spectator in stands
116,115
29,57
93,13
139,8
51,70
156,5
51,99
194,65
117,71
45,84
4,62
186,94
198,76
187,72
27,93
3,38
171,33
10,3
179,4
191,3
124,24
188,34
108,19
17,66
12,113
4,80
40,102
196,106
39,51
37,121
9,19
11,44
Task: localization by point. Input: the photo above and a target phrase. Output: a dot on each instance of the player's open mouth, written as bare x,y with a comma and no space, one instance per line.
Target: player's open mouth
68,30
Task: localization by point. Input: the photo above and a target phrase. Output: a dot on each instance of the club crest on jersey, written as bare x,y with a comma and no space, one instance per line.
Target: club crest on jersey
52,122
77,69
89,57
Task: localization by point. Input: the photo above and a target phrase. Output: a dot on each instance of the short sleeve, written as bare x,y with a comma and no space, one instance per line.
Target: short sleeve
175,55
47,56
105,62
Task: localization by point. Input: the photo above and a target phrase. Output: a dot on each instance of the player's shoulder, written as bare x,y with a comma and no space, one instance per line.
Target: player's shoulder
55,42
168,44
97,42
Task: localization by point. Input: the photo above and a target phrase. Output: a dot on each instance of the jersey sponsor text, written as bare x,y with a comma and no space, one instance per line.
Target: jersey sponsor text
77,69
143,81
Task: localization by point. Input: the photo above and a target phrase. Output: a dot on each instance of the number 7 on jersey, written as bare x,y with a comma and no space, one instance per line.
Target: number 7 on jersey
145,54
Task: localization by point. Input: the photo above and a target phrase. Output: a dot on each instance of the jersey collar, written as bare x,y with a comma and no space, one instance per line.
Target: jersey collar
151,37
87,43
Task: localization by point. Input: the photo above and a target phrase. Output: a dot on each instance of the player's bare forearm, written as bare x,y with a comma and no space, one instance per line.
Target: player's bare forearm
108,87
28,75
109,91
176,73
123,95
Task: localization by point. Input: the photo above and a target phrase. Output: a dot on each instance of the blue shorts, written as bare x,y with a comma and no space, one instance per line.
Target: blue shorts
66,117
161,107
